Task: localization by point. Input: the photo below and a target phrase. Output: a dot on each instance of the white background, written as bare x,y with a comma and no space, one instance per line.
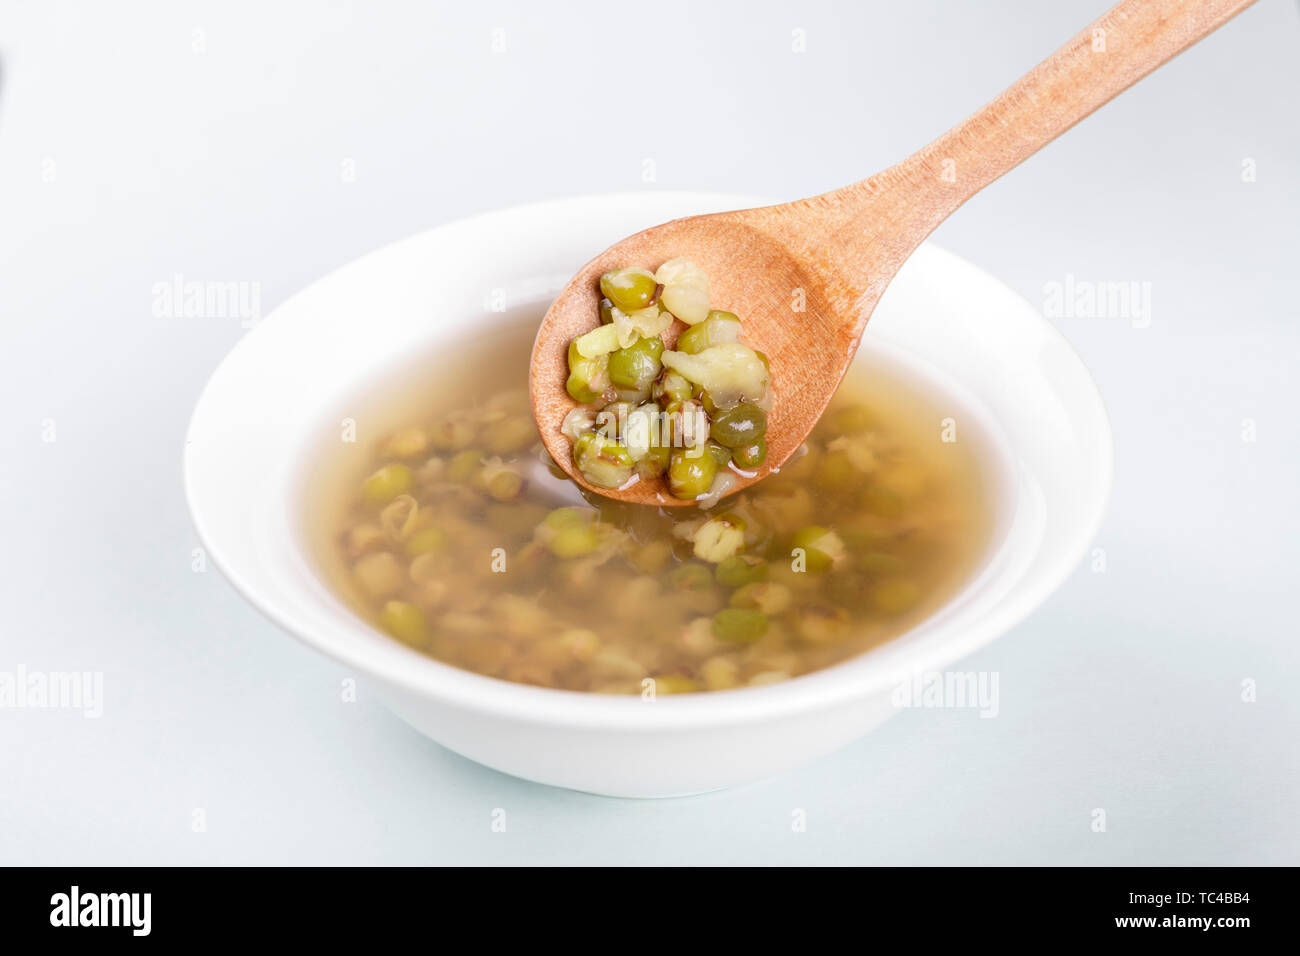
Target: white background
138,141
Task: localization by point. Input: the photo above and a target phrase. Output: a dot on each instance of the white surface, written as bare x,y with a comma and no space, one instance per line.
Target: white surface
1122,693
986,359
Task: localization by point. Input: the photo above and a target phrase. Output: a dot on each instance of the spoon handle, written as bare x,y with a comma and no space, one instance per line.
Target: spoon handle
879,221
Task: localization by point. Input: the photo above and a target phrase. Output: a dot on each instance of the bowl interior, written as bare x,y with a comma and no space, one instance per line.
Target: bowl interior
968,342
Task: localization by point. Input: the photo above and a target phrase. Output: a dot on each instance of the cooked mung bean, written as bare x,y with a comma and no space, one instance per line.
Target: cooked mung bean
447,534
711,377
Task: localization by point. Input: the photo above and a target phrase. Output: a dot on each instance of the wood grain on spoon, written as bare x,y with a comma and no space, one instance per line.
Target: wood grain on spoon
805,276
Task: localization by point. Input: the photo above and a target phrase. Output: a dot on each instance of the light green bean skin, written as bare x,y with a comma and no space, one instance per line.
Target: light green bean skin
603,462
690,473
426,541
671,389
740,570
655,462
464,465
750,456
588,378
720,455
699,337
637,365
739,625
404,621
387,483
628,289
574,540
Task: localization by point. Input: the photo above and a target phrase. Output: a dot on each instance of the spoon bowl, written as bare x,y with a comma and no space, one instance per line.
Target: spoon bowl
752,273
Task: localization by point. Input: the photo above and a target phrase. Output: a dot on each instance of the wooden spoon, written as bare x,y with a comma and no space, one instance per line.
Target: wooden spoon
805,276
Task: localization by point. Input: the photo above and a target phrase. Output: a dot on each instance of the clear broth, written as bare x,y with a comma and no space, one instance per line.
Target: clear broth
910,513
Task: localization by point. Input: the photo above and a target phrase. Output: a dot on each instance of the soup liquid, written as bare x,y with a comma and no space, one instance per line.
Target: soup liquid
460,567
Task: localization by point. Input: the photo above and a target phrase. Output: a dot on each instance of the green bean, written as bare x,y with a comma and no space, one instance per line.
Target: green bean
404,621
464,465
387,483
637,365
610,419
694,339
720,455
641,430
719,327
588,377
719,538
685,425
671,388
570,532
629,289
560,517
742,424
426,541
750,456
654,463
505,485
675,684
574,540
690,473
740,570
603,462
689,577
739,625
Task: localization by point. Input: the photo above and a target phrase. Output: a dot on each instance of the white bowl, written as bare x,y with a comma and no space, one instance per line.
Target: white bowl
964,336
